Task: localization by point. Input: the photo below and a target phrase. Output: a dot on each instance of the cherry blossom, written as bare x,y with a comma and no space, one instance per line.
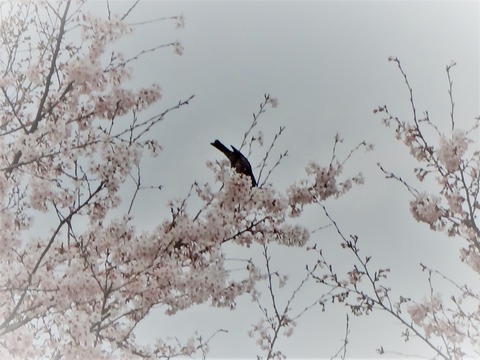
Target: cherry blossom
451,151
74,133
425,208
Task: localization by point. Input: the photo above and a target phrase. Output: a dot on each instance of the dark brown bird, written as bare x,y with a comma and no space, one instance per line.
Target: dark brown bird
239,162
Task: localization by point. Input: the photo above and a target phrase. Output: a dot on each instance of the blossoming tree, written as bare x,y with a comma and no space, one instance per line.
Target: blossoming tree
76,277
449,327
446,323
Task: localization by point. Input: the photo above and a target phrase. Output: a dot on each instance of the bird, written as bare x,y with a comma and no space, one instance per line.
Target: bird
237,160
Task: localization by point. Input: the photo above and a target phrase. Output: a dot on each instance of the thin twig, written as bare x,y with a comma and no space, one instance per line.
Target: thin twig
450,92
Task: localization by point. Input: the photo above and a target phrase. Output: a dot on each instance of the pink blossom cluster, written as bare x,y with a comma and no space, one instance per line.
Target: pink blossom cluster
268,207
322,186
420,313
440,321
471,257
426,208
451,151
265,339
453,167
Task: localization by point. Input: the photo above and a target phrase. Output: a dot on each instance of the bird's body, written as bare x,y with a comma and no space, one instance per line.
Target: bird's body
237,160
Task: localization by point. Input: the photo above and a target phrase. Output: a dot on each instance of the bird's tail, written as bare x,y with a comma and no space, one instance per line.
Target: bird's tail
221,147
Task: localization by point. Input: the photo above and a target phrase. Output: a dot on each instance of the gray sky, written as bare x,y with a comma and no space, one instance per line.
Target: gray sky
326,62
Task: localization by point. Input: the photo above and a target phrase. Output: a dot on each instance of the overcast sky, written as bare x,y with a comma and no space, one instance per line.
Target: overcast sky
326,62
